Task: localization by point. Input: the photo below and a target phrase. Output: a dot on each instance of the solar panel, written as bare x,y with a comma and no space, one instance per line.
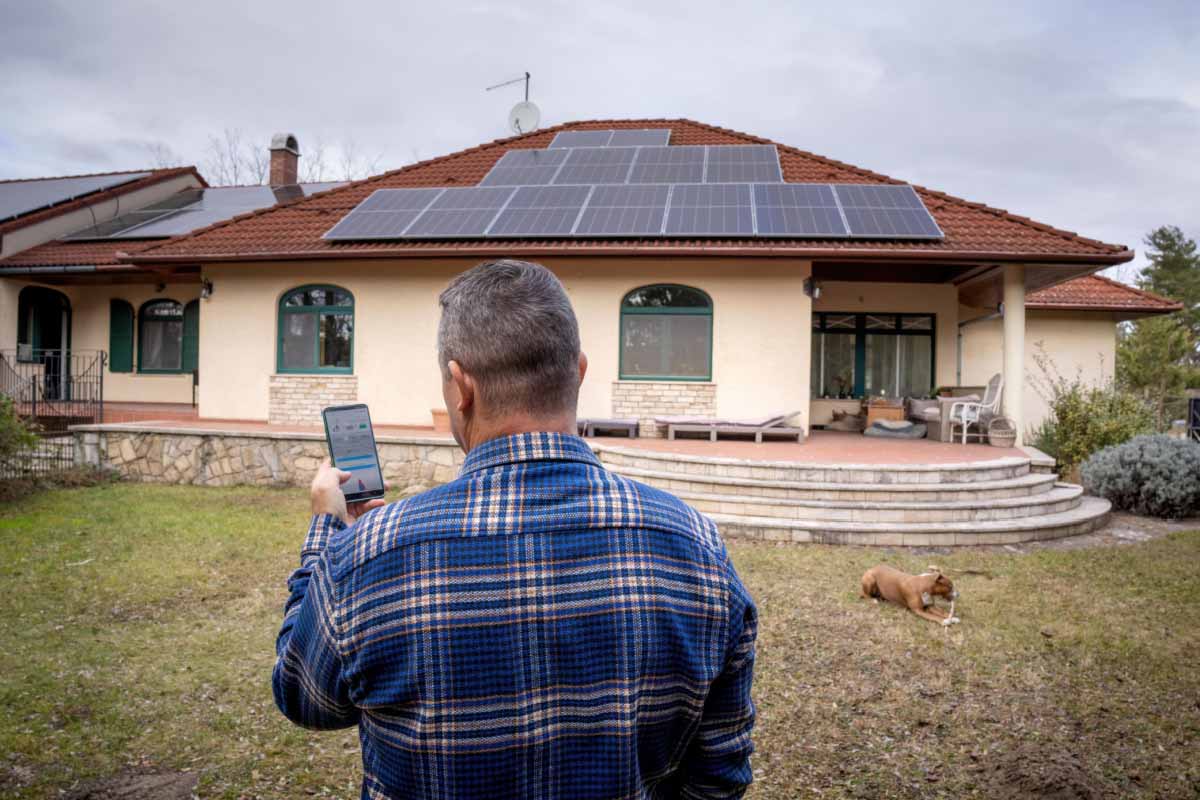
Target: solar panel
668,165
624,211
791,209
460,212
526,168
386,214
640,138
752,163
581,139
596,165
21,197
541,211
886,212
708,209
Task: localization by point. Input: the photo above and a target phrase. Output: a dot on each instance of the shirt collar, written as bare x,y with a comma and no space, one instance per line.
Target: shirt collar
529,447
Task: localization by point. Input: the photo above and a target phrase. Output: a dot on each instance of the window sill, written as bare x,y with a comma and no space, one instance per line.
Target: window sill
661,379
317,373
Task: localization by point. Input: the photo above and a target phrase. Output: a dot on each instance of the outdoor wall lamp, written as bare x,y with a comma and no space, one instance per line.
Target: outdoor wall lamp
811,288
206,288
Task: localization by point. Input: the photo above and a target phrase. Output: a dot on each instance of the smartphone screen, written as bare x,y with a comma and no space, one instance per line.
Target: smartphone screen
352,449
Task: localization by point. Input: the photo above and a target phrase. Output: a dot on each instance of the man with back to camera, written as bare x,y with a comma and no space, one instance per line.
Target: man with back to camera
537,628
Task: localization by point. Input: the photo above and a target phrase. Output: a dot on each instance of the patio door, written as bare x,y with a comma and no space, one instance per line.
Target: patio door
44,337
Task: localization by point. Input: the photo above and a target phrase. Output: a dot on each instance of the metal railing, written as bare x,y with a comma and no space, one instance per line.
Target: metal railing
51,455
54,389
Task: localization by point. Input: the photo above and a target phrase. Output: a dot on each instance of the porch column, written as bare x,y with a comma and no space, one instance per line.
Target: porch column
1014,345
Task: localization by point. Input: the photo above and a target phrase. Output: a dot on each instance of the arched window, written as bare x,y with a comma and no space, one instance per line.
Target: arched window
666,334
43,323
160,337
316,330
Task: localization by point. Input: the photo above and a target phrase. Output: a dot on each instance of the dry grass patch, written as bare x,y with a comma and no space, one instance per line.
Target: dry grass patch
139,624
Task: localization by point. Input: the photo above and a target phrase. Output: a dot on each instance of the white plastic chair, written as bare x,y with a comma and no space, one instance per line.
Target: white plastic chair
967,413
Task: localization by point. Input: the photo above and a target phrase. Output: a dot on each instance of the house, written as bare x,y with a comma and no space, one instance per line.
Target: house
724,320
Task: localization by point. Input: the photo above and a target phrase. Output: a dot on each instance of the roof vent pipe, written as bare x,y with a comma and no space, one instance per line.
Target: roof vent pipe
285,159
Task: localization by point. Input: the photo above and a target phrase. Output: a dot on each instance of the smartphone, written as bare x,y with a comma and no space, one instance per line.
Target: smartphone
352,449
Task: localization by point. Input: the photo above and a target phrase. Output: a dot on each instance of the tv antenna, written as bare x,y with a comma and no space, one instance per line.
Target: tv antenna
524,116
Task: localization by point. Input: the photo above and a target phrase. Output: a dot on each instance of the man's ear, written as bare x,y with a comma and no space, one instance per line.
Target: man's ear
582,365
465,385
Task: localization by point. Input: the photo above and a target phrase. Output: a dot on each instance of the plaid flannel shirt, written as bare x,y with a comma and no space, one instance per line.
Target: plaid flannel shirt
537,628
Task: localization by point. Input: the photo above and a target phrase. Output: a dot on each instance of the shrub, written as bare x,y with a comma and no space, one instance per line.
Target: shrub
1084,418
1158,476
15,437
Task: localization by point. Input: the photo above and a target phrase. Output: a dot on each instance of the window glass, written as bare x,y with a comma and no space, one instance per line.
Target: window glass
880,377
676,345
843,321
160,337
881,322
316,330
916,323
916,365
833,364
667,297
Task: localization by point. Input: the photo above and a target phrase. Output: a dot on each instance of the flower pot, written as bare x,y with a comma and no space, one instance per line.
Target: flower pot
441,420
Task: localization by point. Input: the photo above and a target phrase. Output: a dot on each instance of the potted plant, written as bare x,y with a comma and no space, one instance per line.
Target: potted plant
1002,432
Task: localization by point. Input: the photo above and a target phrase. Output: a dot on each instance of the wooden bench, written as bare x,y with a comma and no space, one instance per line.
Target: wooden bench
588,427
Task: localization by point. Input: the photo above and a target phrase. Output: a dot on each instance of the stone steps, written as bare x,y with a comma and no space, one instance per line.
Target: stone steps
1061,498
797,471
1020,486
1090,514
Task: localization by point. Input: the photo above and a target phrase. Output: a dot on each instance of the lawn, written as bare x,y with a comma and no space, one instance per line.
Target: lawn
138,625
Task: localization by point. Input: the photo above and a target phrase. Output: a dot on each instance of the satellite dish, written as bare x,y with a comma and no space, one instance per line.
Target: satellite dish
524,117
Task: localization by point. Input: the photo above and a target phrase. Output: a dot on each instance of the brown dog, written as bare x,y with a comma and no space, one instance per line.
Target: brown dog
914,592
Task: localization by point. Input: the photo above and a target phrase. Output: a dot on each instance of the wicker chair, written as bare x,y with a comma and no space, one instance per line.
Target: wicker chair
979,414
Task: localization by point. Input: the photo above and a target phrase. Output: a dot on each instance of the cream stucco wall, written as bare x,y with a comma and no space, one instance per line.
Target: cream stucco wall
761,330
1082,344
89,331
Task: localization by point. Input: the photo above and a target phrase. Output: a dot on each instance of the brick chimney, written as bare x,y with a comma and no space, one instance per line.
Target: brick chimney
285,159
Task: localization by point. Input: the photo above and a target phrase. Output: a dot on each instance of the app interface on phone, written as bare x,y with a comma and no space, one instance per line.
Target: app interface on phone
353,448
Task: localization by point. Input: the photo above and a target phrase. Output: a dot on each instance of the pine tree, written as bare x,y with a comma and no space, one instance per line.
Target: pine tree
1174,271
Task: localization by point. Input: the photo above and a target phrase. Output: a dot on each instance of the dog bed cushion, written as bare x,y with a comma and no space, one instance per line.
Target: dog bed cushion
906,430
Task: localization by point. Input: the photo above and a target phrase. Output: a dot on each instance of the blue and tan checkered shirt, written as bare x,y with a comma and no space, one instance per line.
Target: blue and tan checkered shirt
537,628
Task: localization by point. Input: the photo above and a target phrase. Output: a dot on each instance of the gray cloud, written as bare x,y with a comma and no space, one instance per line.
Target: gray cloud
1084,114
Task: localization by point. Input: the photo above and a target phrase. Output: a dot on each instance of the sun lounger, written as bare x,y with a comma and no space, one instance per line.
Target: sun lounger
628,426
760,428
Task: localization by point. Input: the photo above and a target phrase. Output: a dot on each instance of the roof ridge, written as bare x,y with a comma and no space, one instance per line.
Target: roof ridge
150,170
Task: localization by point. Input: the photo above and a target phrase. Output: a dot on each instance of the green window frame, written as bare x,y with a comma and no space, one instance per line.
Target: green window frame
120,336
874,324
158,319
674,307
328,309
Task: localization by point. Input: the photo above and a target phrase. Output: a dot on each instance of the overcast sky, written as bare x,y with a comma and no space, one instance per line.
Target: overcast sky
1083,115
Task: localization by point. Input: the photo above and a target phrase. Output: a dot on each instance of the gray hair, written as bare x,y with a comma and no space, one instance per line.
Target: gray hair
511,326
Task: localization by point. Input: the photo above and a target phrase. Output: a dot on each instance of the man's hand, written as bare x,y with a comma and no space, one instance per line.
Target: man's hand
327,497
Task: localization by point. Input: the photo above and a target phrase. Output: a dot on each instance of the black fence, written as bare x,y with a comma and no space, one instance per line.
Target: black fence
54,389
51,455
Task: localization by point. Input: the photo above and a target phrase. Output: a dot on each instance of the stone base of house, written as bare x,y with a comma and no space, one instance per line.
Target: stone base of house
215,458
647,400
299,399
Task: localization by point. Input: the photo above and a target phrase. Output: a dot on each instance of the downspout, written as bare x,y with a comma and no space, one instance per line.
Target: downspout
997,314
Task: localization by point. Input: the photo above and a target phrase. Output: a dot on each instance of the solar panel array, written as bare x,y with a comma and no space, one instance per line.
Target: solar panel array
738,210
620,138
192,209
23,196
591,164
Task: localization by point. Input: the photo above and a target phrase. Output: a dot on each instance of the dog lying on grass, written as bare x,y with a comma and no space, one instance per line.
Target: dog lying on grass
914,592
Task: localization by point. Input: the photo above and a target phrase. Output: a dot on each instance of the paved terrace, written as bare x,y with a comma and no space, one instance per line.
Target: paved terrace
822,447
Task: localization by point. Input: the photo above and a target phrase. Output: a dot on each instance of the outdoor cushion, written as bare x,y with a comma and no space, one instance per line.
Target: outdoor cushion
910,431
755,422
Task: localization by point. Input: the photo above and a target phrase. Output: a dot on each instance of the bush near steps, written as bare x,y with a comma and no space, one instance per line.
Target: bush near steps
1157,476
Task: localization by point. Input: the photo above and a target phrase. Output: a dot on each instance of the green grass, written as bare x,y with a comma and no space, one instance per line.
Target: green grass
138,625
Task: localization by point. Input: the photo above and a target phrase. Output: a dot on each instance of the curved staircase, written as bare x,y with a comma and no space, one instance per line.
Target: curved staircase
1000,501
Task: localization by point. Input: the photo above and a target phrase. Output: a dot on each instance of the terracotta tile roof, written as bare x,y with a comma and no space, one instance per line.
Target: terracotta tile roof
294,230
1097,293
155,176
77,253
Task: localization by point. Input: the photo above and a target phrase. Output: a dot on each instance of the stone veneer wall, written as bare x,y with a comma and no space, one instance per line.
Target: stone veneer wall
214,458
646,400
299,399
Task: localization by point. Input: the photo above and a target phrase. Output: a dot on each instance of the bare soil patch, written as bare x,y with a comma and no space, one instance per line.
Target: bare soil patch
133,785
1038,772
